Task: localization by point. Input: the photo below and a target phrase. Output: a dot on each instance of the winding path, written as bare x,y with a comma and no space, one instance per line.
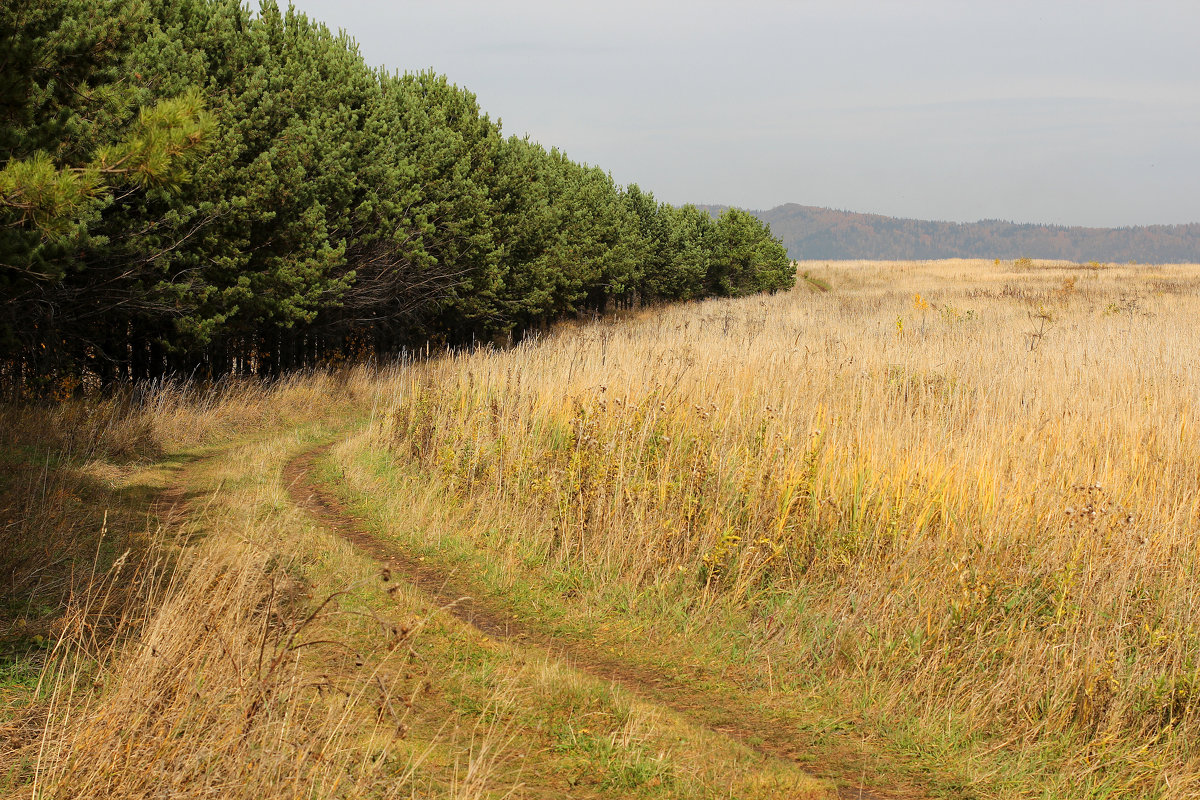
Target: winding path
740,725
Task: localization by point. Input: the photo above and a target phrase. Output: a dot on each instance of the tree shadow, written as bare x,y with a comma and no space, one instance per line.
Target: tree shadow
64,527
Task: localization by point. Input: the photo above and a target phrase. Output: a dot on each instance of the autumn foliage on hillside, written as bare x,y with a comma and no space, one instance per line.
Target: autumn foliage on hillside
810,232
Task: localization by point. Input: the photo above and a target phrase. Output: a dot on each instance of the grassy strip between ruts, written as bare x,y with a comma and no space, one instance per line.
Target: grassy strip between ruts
645,643
571,732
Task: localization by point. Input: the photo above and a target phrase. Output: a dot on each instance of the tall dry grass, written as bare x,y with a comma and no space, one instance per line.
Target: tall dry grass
198,657
71,470
977,482
222,679
142,424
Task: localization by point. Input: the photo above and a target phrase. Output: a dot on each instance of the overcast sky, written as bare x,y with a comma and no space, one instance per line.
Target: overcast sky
1078,113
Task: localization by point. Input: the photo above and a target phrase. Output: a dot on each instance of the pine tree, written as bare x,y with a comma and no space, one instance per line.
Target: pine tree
746,257
76,139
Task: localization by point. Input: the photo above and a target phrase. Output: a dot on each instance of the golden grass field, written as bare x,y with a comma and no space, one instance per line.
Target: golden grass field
969,489
932,524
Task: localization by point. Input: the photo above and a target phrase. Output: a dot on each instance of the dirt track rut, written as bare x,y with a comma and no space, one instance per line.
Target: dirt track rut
740,725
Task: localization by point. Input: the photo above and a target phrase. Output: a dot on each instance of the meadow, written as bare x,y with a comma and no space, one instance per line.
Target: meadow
959,497
924,527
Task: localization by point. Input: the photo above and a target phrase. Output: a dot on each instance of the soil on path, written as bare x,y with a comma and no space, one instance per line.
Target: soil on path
739,724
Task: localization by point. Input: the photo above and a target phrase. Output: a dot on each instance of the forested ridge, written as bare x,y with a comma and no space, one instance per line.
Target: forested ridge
190,186
811,232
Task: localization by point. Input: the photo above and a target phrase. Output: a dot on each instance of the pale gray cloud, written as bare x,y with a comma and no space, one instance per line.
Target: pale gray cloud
1067,112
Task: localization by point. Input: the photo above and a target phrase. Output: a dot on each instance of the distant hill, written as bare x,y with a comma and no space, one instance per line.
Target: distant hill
811,232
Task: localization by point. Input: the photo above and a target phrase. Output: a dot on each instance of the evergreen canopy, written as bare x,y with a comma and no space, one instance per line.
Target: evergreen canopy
187,185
